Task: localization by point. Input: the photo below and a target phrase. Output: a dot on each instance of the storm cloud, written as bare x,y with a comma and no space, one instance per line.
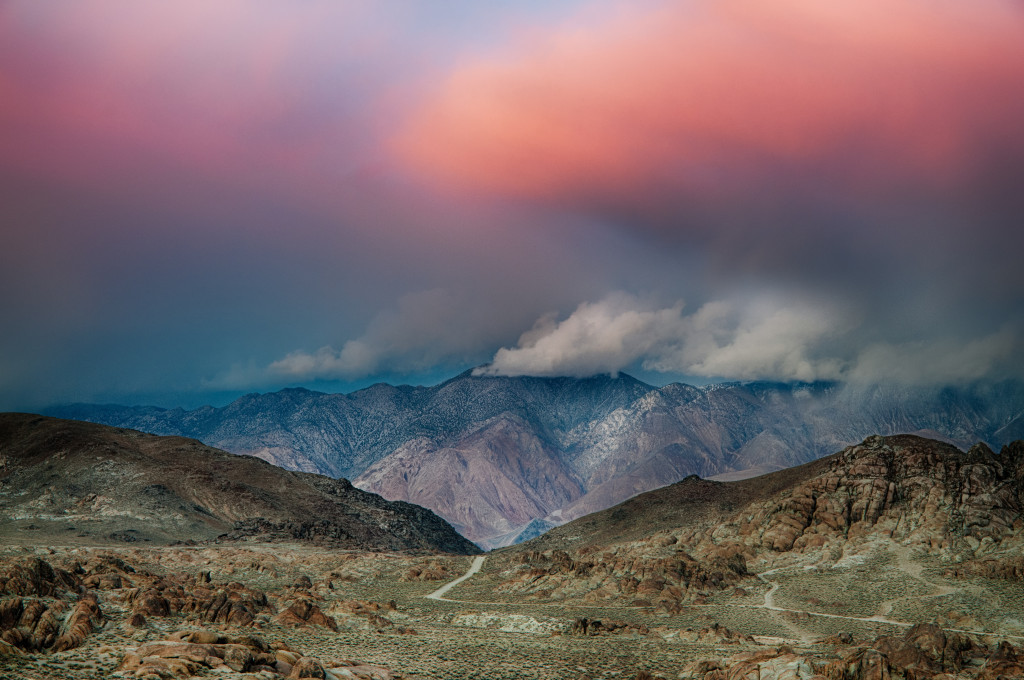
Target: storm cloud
753,339
203,199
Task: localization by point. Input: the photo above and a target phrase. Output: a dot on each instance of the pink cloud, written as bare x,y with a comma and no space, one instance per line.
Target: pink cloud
101,95
704,97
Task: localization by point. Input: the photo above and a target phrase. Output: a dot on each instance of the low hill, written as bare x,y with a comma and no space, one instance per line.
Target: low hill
66,481
880,501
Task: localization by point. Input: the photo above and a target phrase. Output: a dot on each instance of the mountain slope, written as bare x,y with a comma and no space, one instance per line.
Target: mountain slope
601,440
491,482
102,483
913,488
900,494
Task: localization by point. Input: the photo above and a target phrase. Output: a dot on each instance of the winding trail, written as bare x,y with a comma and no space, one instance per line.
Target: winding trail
439,594
768,604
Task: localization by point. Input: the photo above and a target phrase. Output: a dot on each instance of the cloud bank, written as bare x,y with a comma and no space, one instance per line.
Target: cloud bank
416,336
707,97
763,339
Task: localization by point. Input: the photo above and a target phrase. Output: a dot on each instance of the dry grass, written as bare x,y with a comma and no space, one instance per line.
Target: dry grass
441,641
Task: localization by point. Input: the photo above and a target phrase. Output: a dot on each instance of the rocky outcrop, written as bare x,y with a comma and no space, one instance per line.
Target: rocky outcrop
231,603
85,617
915,490
1008,568
37,577
30,624
35,625
919,492
304,612
769,663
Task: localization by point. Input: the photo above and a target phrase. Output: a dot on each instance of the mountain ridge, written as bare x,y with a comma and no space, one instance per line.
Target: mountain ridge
611,437
105,483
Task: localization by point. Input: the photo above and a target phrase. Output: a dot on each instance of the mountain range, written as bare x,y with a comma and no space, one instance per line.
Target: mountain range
504,458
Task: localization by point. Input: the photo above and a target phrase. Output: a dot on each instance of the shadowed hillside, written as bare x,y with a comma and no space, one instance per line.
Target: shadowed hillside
74,481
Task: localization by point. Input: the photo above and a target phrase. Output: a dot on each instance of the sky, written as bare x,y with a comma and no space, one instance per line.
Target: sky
199,200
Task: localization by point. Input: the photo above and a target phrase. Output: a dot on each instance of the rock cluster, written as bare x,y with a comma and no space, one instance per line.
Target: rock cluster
184,654
585,626
304,612
921,491
430,572
189,653
32,625
37,577
924,652
232,603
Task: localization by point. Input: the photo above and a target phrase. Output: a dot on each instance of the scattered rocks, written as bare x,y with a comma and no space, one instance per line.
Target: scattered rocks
511,623
714,634
632,574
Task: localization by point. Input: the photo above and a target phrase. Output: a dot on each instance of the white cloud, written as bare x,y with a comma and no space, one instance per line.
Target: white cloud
764,339
760,338
755,341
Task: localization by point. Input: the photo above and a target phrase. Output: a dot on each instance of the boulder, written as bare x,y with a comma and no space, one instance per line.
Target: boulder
304,612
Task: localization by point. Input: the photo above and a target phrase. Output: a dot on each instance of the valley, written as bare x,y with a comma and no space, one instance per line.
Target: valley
390,340
389,627
899,557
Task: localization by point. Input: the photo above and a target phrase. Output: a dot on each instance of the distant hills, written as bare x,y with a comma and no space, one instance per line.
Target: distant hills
504,458
67,482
